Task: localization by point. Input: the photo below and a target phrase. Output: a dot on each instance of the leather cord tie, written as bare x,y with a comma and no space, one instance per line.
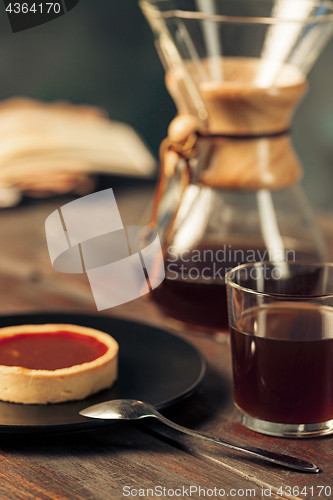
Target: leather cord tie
187,149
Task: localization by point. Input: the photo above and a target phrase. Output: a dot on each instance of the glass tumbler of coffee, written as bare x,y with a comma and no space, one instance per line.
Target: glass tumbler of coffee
281,326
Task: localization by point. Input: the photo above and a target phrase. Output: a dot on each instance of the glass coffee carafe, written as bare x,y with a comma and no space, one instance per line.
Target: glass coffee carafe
228,191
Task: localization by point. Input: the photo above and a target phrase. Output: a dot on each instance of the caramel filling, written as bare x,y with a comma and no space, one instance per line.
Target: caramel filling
49,351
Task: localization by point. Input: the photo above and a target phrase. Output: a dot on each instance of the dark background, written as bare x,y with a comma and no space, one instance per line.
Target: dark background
102,53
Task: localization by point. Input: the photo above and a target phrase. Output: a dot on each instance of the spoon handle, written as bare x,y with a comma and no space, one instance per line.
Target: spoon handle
269,456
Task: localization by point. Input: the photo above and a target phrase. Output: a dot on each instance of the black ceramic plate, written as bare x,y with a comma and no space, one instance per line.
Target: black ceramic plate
154,366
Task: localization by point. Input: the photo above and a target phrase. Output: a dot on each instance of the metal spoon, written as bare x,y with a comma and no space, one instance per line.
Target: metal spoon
130,409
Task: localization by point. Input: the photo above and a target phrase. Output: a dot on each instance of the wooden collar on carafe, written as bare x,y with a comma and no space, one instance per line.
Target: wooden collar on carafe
247,161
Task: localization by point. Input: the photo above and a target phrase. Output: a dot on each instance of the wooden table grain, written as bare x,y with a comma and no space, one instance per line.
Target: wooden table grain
129,460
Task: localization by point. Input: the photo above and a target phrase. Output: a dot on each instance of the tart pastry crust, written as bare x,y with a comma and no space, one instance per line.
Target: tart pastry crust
30,386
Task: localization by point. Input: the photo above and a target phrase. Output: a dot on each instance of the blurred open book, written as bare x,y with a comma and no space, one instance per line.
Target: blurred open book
50,148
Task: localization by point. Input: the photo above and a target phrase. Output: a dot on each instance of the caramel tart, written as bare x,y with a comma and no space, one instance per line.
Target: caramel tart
42,364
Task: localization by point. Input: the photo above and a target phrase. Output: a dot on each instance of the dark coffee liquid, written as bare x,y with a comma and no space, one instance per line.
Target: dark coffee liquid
194,291
284,373
197,305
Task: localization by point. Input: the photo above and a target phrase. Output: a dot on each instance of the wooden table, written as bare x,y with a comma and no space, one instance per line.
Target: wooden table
127,460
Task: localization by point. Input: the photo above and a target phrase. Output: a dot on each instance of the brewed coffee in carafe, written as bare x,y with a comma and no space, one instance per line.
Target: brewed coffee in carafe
229,189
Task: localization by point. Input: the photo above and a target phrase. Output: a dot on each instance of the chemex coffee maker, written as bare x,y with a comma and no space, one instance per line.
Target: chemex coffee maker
228,190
